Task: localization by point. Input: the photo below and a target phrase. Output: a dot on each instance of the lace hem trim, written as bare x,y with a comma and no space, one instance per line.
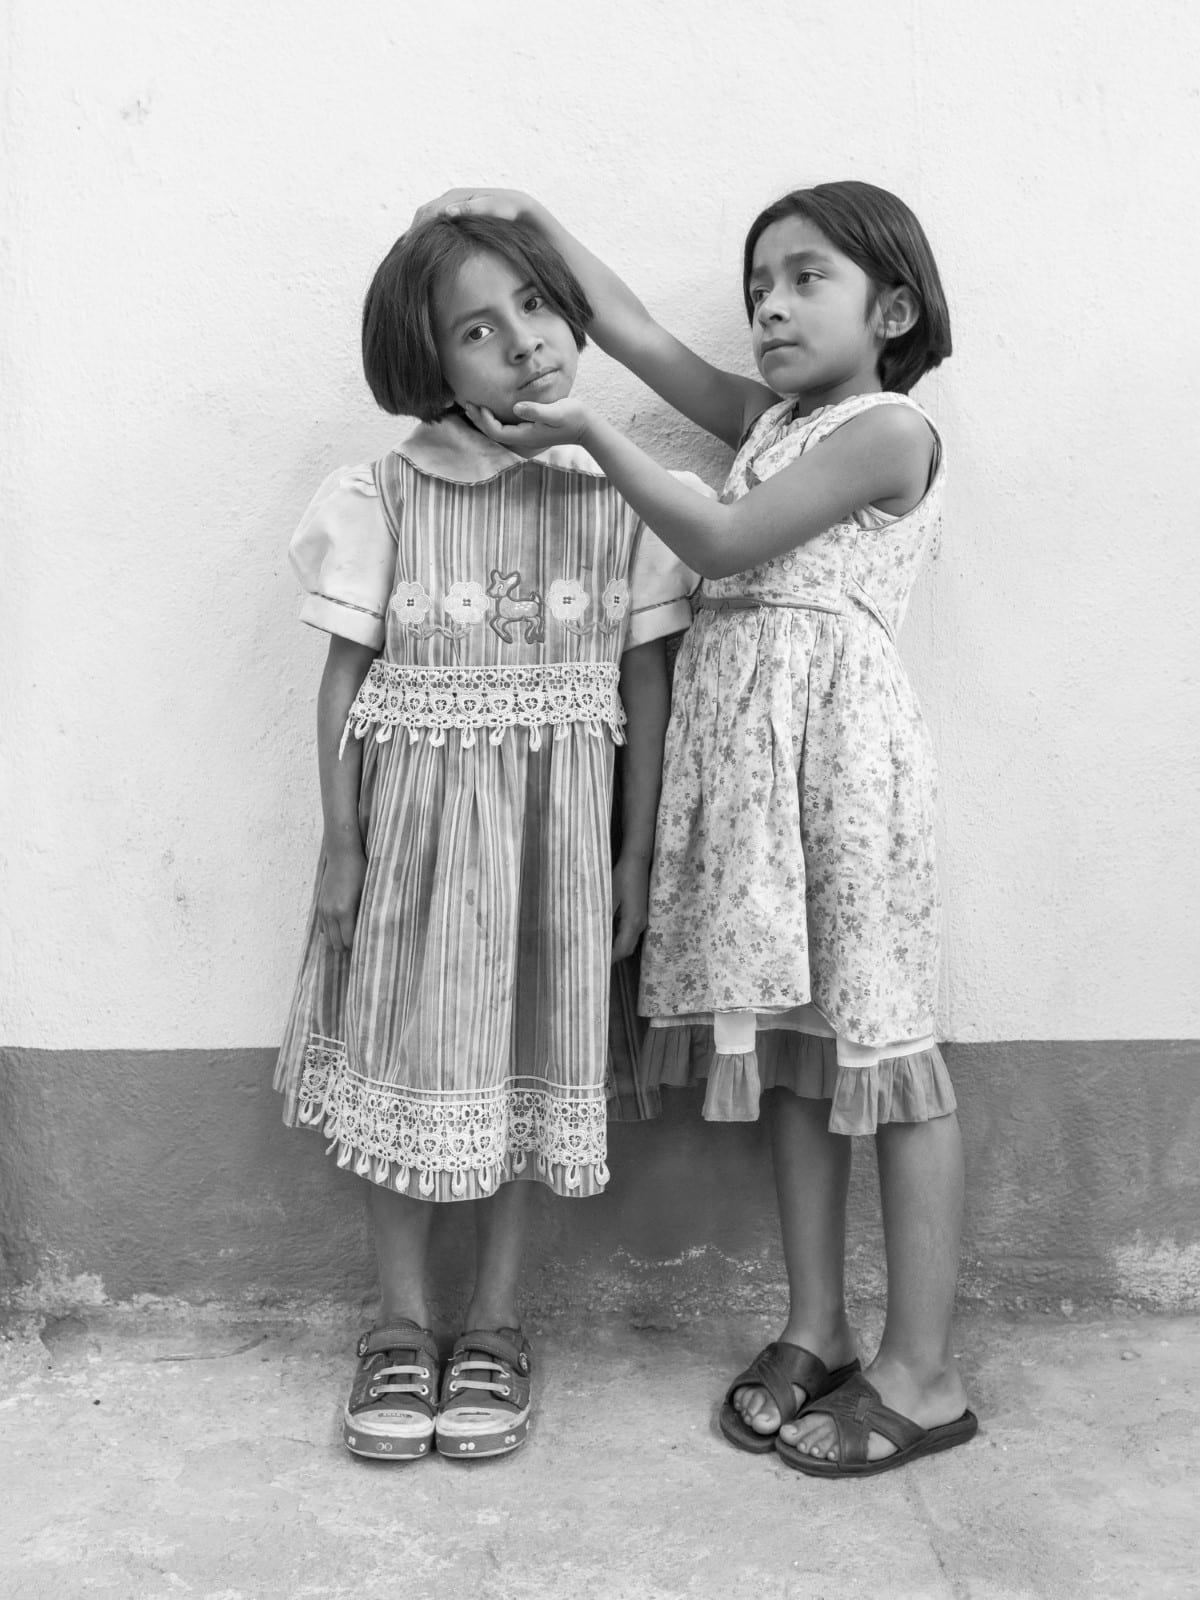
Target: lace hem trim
443,1148
553,694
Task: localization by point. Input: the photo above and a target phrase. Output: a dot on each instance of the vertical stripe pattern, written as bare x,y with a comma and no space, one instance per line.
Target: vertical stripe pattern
463,1041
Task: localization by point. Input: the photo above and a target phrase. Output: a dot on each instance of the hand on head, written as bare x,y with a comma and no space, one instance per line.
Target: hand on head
508,204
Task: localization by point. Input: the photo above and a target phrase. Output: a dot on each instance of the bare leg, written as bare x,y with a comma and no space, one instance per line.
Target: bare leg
812,1174
921,1188
400,1228
500,1228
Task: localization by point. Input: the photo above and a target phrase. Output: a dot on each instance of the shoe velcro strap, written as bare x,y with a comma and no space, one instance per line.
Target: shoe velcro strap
401,1336
513,1352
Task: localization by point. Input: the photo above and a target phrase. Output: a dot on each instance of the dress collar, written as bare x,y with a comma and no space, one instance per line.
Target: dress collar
455,450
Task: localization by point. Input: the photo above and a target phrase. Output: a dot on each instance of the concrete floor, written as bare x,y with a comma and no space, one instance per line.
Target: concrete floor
152,1453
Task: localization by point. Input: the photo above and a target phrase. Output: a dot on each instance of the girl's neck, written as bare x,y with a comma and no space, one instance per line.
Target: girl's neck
810,400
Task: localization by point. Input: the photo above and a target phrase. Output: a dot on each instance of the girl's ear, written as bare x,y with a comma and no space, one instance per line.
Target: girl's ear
896,311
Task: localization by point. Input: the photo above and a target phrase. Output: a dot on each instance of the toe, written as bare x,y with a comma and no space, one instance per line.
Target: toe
764,1418
815,1435
758,1410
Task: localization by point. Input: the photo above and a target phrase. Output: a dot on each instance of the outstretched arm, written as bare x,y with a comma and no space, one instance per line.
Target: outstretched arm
881,458
723,403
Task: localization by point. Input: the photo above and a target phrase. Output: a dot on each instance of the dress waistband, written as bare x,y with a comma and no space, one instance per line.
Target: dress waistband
855,595
433,700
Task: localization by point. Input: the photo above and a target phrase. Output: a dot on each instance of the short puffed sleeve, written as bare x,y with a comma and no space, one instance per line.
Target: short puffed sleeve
344,556
660,585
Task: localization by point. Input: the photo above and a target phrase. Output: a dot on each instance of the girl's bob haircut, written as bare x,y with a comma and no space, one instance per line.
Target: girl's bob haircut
399,344
881,235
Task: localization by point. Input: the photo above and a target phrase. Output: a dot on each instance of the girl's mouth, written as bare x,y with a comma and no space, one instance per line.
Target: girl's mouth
540,377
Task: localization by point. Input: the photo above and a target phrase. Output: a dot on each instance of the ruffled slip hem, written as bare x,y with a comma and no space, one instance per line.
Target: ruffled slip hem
734,1089
461,1149
914,1088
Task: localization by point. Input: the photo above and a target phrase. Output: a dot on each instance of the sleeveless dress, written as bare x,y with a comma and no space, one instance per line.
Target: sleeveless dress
794,915
463,1041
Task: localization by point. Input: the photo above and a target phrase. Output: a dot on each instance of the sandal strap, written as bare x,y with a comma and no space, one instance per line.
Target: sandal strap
858,1411
776,1368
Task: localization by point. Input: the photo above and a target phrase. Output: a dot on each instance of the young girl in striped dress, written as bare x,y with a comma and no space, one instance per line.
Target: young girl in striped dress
496,626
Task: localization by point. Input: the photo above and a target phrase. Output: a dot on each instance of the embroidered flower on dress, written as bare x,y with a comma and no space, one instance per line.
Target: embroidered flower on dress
466,603
411,602
568,600
615,599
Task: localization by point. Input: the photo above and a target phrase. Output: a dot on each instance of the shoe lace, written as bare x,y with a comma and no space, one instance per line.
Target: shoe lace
481,1364
399,1369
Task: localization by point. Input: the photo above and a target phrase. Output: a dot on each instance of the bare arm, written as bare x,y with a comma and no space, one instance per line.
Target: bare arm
343,858
646,697
723,403
881,458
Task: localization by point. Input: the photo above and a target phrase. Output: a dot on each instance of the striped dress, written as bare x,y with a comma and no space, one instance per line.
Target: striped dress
462,1042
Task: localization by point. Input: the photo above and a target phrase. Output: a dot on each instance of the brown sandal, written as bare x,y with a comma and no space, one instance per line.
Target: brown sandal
857,1411
390,1409
485,1394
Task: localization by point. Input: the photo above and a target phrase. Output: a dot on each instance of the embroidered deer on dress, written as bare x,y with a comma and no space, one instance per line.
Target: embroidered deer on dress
514,612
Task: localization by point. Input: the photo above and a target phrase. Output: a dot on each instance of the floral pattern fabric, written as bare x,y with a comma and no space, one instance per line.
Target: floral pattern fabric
795,849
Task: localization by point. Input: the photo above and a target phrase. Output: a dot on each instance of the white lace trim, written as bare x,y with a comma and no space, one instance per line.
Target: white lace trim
454,1147
549,695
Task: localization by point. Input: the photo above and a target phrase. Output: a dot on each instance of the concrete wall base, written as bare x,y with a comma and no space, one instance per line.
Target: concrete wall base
169,1174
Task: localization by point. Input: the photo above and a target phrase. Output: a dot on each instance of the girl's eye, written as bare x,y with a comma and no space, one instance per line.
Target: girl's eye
477,334
757,295
535,302
807,277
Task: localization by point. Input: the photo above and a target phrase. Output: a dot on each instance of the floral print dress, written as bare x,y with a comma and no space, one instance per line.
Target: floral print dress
463,1041
794,916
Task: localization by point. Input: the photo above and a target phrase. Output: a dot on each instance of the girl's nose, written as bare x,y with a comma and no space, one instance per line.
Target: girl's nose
525,342
768,310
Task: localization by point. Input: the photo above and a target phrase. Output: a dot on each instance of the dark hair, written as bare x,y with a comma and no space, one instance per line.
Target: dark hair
399,348
881,235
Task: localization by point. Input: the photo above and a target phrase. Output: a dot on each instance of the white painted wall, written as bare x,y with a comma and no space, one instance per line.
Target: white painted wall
196,196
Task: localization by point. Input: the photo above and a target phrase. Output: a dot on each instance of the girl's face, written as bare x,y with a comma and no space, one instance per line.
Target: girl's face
812,334
499,340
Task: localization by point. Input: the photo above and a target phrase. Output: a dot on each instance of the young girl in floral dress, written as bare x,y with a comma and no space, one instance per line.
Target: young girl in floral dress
489,617
793,938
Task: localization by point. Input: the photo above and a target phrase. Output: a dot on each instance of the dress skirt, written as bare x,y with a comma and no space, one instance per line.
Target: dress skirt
441,1055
